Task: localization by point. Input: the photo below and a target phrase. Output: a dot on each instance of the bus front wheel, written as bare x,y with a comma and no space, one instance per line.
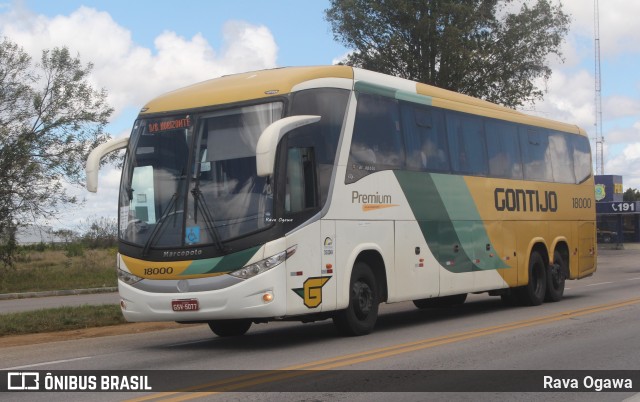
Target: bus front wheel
229,327
360,316
533,293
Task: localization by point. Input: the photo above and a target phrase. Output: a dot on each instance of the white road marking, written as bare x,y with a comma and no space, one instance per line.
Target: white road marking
46,363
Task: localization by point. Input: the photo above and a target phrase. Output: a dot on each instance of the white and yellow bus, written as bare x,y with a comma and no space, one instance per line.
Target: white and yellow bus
320,192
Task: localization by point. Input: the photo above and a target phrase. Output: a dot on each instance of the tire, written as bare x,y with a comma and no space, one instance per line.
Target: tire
533,293
361,315
556,277
444,301
226,328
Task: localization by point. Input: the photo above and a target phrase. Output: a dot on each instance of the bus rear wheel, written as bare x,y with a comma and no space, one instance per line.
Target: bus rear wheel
226,328
362,313
556,277
533,293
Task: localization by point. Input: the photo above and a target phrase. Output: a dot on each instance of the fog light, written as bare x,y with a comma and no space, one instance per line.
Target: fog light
123,305
267,297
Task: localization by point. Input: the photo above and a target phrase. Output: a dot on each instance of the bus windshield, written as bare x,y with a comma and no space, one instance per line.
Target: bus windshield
165,201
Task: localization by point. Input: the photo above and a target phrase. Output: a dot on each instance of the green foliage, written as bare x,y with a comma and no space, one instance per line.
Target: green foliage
100,232
482,48
631,194
60,319
74,250
8,246
50,119
56,269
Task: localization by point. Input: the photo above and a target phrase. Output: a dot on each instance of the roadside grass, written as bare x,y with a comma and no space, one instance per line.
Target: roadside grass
60,319
71,268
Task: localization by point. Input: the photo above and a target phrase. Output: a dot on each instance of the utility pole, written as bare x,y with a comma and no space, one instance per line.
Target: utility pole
598,100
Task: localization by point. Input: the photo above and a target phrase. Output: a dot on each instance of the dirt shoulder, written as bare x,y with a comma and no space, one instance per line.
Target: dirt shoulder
131,328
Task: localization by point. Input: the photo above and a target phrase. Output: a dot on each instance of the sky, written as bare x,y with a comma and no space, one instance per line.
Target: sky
141,49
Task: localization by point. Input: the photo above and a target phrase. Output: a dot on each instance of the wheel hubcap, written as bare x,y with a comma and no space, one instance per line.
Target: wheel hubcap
362,300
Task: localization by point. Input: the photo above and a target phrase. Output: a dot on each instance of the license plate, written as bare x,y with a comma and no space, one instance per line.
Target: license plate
185,305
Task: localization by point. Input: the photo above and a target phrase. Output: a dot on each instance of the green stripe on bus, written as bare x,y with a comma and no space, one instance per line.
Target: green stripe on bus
227,263
449,221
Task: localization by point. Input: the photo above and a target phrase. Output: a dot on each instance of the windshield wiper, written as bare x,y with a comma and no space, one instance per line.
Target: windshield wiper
206,213
171,207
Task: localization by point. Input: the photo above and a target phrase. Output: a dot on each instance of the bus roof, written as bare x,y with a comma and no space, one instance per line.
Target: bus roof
266,83
242,87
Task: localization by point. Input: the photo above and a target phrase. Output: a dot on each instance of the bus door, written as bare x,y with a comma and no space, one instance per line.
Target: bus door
312,269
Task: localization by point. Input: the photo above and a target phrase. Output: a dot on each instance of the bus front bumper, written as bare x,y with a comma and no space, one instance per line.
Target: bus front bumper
260,297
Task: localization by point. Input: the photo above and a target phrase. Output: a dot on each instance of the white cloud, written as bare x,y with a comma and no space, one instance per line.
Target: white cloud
569,98
133,74
626,164
618,24
624,135
571,89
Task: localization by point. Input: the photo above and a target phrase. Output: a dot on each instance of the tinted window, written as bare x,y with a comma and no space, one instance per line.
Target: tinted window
535,156
377,142
425,138
466,144
322,137
581,158
561,158
503,148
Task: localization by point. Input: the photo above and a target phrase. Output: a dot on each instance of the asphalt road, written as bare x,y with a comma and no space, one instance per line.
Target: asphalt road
595,327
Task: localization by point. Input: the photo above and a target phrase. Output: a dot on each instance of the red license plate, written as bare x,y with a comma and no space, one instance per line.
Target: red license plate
185,305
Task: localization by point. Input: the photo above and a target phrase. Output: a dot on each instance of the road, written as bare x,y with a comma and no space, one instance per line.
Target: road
595,327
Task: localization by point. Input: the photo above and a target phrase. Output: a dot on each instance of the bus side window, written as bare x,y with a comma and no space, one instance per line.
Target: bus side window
503,149
535,154
425,138
467,145
377,142
581,158
561,158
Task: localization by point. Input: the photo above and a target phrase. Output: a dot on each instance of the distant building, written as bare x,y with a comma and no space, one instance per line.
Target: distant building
618,220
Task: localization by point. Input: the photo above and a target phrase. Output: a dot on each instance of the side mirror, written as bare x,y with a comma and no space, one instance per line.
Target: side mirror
271,136
93,161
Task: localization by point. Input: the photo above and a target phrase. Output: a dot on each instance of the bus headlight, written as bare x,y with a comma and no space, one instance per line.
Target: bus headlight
128,277
259,267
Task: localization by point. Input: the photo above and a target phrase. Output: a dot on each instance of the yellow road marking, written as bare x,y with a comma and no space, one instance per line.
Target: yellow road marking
263,377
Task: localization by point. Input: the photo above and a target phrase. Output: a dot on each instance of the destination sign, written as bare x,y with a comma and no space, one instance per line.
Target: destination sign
157,126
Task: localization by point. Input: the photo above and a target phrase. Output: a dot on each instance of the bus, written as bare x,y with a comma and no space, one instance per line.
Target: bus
309,193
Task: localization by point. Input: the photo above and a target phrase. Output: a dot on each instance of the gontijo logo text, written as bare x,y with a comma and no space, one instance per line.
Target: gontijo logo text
509,199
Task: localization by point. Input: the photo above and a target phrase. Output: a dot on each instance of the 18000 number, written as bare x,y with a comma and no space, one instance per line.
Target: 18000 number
581,202
158,271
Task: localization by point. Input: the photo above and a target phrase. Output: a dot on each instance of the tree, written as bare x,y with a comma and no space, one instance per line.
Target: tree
477,47
100,232
50,118
631,194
